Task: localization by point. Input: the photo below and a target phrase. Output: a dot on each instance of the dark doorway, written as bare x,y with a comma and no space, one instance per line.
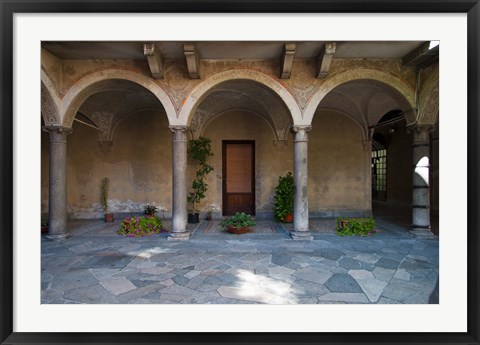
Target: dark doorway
238,177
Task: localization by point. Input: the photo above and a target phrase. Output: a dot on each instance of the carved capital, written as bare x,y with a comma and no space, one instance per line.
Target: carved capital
179,133
58,134
421,135
300,133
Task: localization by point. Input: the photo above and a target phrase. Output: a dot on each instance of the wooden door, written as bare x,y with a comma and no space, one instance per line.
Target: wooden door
238,177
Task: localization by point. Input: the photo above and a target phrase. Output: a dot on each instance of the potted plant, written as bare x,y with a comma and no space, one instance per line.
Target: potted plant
284,195
150,210
104,199
239,223
199,150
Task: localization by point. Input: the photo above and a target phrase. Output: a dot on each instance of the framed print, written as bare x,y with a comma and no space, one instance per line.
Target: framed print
337,105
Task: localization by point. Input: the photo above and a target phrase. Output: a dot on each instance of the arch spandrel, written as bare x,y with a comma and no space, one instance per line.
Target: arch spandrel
360,74
50,102
429,101
94,82
192,101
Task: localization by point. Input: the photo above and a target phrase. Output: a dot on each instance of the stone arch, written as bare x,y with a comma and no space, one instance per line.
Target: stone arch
95,81
351,75
429,101
49,101
191,102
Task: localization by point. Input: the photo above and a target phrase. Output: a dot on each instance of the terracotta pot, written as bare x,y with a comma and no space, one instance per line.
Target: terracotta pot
235,230
288,218
109,217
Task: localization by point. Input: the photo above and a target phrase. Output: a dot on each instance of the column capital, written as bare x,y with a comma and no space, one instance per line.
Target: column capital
58,134
179,133
299,128
178,128
300,133
420,128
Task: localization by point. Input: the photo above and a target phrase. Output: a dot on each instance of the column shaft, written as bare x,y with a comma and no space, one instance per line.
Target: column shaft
421,184
57,208
300,209
179,184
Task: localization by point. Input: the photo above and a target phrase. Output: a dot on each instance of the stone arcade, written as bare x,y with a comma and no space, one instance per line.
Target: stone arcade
356,123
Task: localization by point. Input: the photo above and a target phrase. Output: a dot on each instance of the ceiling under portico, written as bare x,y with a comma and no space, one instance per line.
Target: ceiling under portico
365,101
244,95
229,50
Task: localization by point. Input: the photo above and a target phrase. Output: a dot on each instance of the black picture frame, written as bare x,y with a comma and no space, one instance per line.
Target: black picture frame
10,7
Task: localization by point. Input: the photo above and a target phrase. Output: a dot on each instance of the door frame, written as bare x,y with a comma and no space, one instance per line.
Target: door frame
224,172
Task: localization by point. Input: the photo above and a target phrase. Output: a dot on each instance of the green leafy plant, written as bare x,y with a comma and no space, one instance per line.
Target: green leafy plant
104,194
284,195
356,226
199,150
238,220
150,210
141,226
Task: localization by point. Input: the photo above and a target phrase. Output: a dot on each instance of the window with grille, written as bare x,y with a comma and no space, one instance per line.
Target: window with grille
379,174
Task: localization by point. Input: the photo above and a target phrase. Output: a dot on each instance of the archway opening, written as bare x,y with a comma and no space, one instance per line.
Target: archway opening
249,127
348,165
119,131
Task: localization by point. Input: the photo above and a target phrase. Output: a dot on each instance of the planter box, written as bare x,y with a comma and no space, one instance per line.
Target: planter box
238,231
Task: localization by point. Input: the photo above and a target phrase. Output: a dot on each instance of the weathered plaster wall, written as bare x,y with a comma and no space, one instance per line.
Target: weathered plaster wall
138,166
270,162
336,168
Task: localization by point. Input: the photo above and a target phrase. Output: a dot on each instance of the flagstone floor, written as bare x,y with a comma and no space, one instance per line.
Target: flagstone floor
95,265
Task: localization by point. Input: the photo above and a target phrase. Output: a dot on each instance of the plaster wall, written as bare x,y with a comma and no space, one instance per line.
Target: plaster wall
271,160
337,183
138,166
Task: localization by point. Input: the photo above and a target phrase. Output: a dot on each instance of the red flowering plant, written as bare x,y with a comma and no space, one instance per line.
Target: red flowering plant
141,226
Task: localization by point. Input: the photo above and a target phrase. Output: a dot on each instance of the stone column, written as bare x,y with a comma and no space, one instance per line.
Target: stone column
179,175
421,186
300,175
367,149
57,200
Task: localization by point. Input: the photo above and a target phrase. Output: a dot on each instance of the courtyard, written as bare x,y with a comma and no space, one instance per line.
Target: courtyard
95,265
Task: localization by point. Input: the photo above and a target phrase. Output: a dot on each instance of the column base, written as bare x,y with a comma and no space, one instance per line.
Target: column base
301,235
179,236
423,234
57,237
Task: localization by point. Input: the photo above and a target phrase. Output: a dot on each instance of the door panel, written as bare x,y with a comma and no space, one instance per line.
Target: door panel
238,177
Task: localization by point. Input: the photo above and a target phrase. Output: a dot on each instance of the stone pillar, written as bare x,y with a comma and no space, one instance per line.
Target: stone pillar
300,175
57,200
179,174
421,186
367,149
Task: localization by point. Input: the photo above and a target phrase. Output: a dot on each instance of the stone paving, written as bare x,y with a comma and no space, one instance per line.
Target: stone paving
95,265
